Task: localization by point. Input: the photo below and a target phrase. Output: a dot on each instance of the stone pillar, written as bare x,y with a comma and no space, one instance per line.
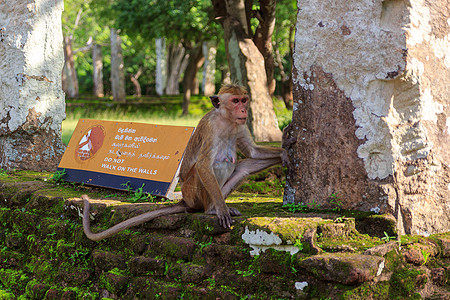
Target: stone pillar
97,64
117,67
32,103
371,120
209,68
161,67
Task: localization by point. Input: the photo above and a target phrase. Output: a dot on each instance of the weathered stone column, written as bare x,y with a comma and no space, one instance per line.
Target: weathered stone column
32,103
161,68
117,67
371,119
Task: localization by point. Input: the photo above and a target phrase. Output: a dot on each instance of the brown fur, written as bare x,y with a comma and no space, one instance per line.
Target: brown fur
210,170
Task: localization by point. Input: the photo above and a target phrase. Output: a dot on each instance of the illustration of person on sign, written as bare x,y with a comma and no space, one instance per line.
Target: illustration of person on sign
90,143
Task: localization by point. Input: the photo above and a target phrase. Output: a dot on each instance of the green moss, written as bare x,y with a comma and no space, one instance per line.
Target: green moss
409,239
272,261
5,212
35,290
14,280
26,175
393,261
368,290
355,241
114,281
42,268
5,295
274,187
258,205
404,283
288,229
82,293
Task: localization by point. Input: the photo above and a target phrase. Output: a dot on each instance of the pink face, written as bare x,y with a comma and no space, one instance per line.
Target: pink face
237,105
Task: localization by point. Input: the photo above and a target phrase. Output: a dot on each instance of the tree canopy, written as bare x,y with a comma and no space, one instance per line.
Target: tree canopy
142,21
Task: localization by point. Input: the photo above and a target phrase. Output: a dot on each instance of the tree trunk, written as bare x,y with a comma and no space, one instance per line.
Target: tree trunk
209,68
286,81
247,67
97,62
174,65
69,77
161,69
137,86
263,39
32,103
196,59
117,68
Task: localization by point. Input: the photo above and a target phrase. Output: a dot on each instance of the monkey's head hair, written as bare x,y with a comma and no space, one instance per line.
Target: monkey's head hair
233,89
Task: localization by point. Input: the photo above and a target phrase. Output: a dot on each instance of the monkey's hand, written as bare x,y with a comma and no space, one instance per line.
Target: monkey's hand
223,215
224,218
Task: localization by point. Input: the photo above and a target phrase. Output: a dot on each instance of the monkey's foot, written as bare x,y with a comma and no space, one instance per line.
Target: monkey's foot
234,212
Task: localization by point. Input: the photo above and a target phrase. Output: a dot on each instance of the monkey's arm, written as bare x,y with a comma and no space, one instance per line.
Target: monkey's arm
204,168
178,208
248,147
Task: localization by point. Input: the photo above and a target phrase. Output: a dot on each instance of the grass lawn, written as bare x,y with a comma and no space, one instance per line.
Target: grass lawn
164,110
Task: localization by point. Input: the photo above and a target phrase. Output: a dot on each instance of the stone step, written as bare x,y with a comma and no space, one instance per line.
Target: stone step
302,255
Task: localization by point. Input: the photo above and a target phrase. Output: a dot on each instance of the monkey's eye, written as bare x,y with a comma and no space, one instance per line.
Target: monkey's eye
235,100
244,100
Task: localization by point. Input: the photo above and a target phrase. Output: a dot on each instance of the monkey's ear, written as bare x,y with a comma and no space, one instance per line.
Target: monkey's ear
215,101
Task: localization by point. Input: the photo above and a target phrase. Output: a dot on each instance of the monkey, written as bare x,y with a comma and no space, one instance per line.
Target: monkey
210,169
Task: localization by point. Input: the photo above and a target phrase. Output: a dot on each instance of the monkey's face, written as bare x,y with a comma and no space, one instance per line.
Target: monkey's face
237,106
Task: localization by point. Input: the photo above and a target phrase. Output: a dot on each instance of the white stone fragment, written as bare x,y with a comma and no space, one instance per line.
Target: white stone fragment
375,210
301,285
260,241
260,237
380,268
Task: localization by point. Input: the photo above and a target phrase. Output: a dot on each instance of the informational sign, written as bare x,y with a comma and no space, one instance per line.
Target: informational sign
120,154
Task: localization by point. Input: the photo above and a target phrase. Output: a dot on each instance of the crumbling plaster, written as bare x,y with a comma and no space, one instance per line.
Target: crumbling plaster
389,86
32,105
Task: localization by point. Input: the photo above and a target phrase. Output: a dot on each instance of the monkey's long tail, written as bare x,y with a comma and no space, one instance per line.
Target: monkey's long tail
178,208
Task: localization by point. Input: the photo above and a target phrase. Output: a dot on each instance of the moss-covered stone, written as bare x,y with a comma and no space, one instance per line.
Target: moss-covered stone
14,280
74,275
176,247
19,193
15,240
224,254
405,282
193,273
368,290
190,256
377,225
114,282
35,290
106,261
287,229
5,295
275,262
54,294
42,267
344,268
148,288
128,243
147,266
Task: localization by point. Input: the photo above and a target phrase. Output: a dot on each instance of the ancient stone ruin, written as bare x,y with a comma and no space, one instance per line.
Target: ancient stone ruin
31,97
371,120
